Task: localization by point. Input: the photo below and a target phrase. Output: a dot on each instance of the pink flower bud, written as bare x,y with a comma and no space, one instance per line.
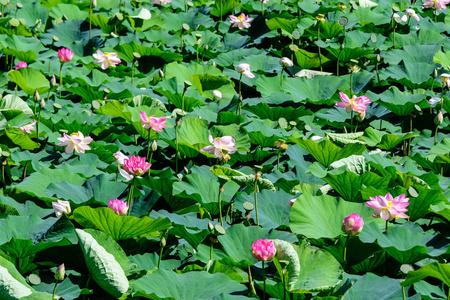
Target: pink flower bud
60,272
439,118
136,165
120,207
263,250
65,55
21,65
353,224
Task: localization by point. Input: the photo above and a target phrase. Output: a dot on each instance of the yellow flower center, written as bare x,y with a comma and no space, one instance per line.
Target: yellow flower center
240,18
352,100
107,54
389,204
75,134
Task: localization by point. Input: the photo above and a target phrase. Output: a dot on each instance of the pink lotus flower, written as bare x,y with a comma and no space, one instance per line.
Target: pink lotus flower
136,165
353,224
75,141
436,4
65,55
244,69
21,65
120,207
106,60
157,124
162,1
241,22
60,272
409,12
61,207
120,157
286,62
389,208
28,128
357,104
263,250
226,143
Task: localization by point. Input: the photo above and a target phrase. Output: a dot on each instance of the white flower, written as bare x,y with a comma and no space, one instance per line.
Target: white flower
244,69
61,207
120,157
409,12
217,94
286,62
106,60
75,141
433,101
28,128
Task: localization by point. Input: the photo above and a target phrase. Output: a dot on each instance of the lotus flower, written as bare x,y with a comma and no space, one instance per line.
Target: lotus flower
263,250
217,94
244,69
436,4
353,224
61,207
389,208
65,55
157,124
241,22
162,1
357,104
120,207
60,273
136,165
106,60
28,128
410,13
224,143
120,157
292,201
75,141
286,62
21,65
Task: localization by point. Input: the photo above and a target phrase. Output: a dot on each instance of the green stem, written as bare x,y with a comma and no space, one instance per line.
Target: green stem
403,292
337,64
220,207
54,290
394,37
262,8
90,19
150,161
148,144
351,122
211,251
239,105
264,278
281,79
182,100
378,74
345,252
132,71
411,129
387,226
37,124
278,159
160,255
60,79
35,106
176,147
351,84
130,196
435,134
87,284
320,56
256,202
185,6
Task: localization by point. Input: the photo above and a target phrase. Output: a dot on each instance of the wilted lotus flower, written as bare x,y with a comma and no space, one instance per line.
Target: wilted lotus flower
136,165
241,22
244,69
120,207
106,60
263,250
286,62
60,273
353,224
75,141
217,94
389,208
65,55
357,104
436,4
409,12
224,143
21,65
444,78
28,128
120,157
61,207
157,124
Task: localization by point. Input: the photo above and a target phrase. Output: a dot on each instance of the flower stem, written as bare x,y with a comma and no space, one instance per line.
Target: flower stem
351,122
387,226
264,278
256,202
176,146
378,74
239,105
130,196
403,292
132,71
351,84
160,255
278,159
435,134
220,207
60,80
345,252
262,8
320,55
148,144
90,19
281,79
54,290
211,251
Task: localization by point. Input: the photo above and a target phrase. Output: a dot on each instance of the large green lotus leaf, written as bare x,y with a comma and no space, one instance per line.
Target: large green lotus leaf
374,287
13,286
96,189
411,75
173,91
349,53
400,103
234,273
383,140
68,289
11,102
118,227
442,58
30,80
426,36
70,35
192,133
286,252
435,270
268,86
366,15
191,285
273,207
187,226
309,60
37,183
429,291
239,134
317,90
420,205
149,261
69,11
441,209
281,23
263,133
321,216
238,240
20,139
407,243
325,152
264,111
227,59
439,153
21,47
319,270
208,82
205,191
222,8
126,51
175,21
105,260
348,184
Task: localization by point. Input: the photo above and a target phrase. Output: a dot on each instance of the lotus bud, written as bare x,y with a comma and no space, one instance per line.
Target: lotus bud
213,63
263,250
42,103
361,116
53,80
60,272
154,145
210,226
36,96
163,242
439,118
94,3
353,224
435,73
161,73
378,58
